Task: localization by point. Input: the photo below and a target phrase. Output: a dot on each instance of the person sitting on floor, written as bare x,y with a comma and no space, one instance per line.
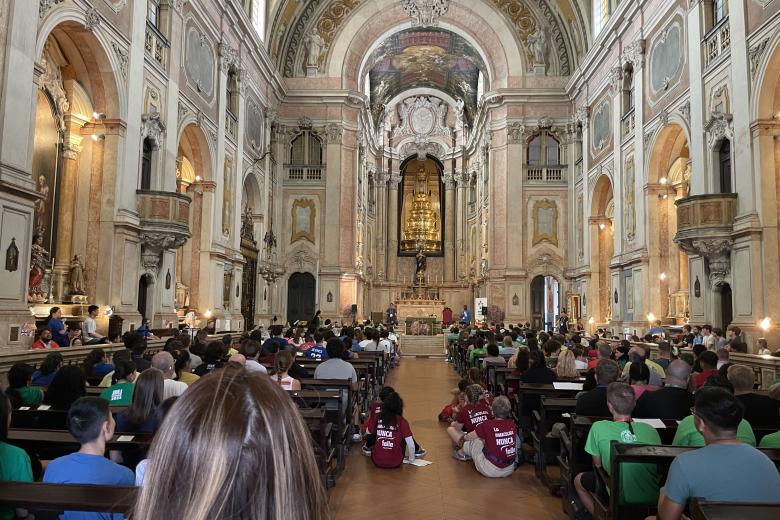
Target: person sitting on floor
671,401
593,402
121,392
91,423
450,412
492,445
14,462
19,390
638,482
391,437
284,360
726,469
475,411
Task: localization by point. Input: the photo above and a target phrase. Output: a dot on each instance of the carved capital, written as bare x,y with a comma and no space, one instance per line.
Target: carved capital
333,133
634,54
615,77
582,115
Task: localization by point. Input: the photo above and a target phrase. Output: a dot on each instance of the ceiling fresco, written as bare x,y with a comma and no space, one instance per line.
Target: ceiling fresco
432,58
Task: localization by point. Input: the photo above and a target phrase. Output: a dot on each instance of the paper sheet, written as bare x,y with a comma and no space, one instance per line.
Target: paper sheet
24,407
418,462
655,423
567,386
125,438
44,407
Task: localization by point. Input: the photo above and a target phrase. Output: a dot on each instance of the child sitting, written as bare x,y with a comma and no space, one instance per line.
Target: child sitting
475,412
450,412
369,425
391,436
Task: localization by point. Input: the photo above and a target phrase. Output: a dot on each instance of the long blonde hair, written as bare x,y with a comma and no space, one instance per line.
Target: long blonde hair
233,446
566,367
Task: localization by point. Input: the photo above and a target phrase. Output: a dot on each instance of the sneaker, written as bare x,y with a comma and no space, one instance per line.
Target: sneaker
420,453
356,437
460,456
366,450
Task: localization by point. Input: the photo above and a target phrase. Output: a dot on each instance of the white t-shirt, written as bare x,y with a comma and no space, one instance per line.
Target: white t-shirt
173,388
365,343
286,382
386,345
89,327
254,366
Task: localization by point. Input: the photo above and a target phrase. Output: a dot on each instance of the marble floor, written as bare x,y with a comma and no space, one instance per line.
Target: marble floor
447,489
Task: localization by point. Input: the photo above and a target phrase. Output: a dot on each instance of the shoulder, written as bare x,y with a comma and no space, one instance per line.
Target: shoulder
13,454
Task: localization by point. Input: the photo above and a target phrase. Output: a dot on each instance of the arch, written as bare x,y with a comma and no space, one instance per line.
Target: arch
601,197
667,142
766,104
251,194
545,301
194,145
301,296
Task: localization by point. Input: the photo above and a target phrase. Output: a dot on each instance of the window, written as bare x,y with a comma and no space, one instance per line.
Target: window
480,85
232,92
724,166
628,90
544,149
153,12
601,12
257,15
306,149
720,9
146,164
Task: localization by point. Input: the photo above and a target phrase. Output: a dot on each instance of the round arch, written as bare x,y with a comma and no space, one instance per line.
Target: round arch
601,197
766,105
194,145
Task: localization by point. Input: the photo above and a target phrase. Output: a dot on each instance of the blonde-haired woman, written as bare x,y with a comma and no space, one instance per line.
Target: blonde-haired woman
567,365
282,363
231,448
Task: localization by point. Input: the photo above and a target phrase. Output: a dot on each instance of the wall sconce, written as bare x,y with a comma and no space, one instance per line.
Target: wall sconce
765,324
662,276
651,317
663,180
602,226
98,137
99,116
207,314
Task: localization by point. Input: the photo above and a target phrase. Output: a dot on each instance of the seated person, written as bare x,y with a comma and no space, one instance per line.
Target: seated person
639,355
44,341
492,445
638,377
214,358
318,351
604,351
593,402
161,413
96,365
726,470
14,462
147,396
67,386
91,423
493,356
450,412
475,411
671,401
391,436
183,366
638,482
477,352
664,355
336,368
19,390
163,361
48,369
284,360
145,330
687,433
250,349
708,362
759,409
135,343
566,368
121,392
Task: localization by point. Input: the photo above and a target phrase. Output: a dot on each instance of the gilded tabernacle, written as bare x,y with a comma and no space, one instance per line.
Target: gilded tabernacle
421,213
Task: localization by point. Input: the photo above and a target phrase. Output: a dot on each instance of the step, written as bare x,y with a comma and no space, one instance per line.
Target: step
422,346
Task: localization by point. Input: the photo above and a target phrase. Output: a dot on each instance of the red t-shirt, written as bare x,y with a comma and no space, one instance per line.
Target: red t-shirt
472,415
374,410
499,438
593,363
388,450
701,378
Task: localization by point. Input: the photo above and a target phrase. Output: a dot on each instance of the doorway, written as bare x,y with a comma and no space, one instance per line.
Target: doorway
144,283
248,290
545,302
301,296
726,309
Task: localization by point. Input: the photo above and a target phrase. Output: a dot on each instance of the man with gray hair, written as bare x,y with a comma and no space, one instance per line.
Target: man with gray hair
639,354
163,361
673,400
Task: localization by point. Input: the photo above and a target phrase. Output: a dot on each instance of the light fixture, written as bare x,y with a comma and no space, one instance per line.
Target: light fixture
765,323
651,317
108,311
98,137
198,178
98,115
591,321
663,180
662,276
602,226
665,196
207,314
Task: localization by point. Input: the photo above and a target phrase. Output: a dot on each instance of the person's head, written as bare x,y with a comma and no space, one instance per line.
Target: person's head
475,376
214,351
230,448
706,330
696,330
392,409
607,372
45,335
19,375
95,356
90,420
282,362
163,361
552,348
604,349
697,350
124,370
276,330
250,348
638,374
55,312
502,408
51,363
742,378
183,361
687,329
492,349
723,355
385,391
147,395
474,393
677,373
566,367
762,344
92,310
716,413
536,358
335,348
523,359
733,332
708,360
717,332
238,359
620,399
68,385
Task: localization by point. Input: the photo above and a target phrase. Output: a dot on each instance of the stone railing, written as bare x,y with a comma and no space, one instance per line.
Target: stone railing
717,42
545,174
306,174
156,45
163,208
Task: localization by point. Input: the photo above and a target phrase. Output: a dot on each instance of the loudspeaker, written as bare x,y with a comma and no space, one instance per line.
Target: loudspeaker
354,309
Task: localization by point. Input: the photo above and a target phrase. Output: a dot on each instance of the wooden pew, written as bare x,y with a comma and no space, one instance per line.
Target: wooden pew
701,510
67,497
62,438
552,411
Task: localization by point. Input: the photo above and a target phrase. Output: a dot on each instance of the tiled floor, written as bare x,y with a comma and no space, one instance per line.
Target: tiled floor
447,489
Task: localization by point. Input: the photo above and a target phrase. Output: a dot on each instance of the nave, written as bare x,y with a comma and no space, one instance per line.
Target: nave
445,490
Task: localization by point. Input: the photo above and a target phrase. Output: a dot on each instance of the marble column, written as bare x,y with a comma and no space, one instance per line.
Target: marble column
67,208
449,231
381,223
461,230
392,227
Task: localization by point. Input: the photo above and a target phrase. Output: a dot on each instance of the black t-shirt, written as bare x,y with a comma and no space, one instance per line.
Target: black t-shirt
668,402
593,403
535,375
759,409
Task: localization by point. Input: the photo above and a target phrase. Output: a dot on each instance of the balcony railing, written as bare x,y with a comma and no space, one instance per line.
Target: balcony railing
627,124
156,45
717,42
231,126
545,174
311,173
165,211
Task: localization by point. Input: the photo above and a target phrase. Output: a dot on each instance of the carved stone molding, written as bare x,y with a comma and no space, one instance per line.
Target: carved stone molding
152,246
333,133
719,127
92,19
615,78
229,57
51,80
516,132
45,5
582,115
152,128
122,55
634,54
422,115
425,13
685,111
755,54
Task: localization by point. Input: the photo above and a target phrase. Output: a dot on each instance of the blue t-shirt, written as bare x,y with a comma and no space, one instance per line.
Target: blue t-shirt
39,379
81,468
317,352
723,473
55,326
102,369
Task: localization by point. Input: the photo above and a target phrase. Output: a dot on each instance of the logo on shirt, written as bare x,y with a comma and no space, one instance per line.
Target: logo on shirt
116,395
627,437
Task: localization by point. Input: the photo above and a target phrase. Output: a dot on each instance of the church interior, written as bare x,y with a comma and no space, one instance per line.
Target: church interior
421,179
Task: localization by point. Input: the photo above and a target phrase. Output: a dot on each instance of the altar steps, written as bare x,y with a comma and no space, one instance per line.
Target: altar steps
422,346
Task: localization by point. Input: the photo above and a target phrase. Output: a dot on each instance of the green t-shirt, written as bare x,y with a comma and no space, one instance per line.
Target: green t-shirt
120,394
14,465
474,354
30,395
688,435
770,441
639,482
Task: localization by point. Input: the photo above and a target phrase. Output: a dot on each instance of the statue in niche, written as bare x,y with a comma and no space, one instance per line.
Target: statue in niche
422,263
314,47
39,262
76,275
538,44
459,108
40,204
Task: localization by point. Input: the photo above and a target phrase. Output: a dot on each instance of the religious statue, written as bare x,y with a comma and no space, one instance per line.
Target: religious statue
39,261
459,108
247,224
538,44
76,275
12,257
422,263
314,47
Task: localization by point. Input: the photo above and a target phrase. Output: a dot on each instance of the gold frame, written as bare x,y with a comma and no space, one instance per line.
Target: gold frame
308,235
541,237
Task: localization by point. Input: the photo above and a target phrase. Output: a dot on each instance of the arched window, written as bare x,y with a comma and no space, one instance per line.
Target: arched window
147,155
544,150
306,149
724,166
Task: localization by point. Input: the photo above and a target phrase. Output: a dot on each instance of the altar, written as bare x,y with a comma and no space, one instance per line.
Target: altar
420,317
